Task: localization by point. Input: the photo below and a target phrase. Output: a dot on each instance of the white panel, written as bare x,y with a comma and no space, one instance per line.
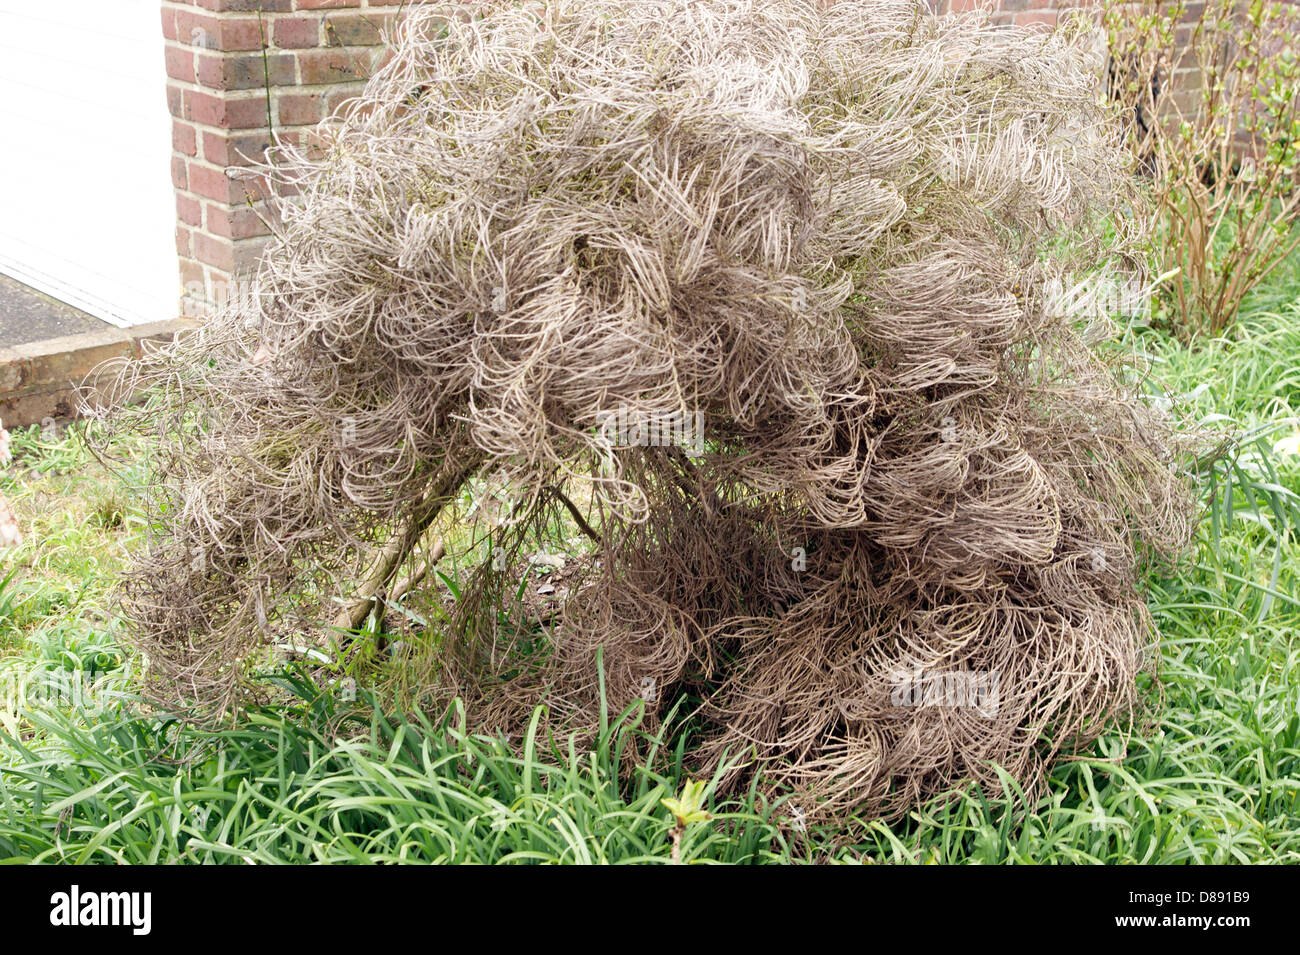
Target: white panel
88,214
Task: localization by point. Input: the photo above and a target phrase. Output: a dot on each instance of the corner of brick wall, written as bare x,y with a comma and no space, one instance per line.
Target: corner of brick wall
242,74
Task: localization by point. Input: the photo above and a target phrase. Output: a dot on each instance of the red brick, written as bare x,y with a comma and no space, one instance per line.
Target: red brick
182,241
169,23
253,189
213,251
329,66
216,148
217,282
235,149
297,33
229,34
247,6
180,63
179,177
225,112
175,100
243,71
198,31
356,29
211,70
238,222
327,4
301,109
337,99
189,210
213,183
184,138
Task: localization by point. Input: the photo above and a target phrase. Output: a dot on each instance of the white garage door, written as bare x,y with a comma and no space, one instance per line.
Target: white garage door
87,212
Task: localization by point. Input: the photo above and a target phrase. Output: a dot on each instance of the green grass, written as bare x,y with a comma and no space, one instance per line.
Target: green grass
1210,773
283,786
78,528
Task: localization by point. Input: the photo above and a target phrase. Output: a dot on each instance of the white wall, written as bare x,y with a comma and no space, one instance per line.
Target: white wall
87,211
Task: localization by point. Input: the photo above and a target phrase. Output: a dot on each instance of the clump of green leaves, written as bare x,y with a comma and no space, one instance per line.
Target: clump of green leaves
687,808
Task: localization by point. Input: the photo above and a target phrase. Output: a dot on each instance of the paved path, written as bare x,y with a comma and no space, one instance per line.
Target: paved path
27,315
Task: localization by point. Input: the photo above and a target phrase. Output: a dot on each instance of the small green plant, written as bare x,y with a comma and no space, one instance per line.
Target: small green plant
1210,98
687,808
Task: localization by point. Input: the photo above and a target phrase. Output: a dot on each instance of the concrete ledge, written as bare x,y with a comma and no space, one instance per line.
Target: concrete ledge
38,380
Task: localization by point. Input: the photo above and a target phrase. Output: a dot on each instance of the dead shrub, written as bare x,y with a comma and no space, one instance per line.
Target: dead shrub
824,236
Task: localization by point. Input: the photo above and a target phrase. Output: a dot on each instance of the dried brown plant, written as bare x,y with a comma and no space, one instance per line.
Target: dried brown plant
829,232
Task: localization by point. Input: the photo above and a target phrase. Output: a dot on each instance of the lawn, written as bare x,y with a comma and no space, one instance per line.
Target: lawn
1209,772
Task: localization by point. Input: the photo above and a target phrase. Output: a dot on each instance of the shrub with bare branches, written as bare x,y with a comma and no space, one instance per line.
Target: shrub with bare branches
755,296
1212,94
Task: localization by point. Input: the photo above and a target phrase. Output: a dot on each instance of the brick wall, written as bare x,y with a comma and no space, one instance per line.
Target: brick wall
241,72
1020,12
238,73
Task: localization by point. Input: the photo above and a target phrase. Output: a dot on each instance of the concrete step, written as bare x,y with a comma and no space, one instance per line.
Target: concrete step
47,349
